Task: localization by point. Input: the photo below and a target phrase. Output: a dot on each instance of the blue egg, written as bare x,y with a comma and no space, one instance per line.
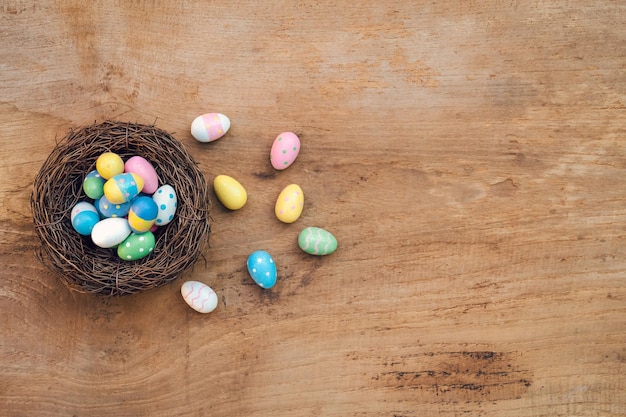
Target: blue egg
84,221
83,217
108,209
81,206
262,269
145,208
142,215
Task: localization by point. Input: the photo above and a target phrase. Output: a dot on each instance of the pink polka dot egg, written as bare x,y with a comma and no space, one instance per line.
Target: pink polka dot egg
284,151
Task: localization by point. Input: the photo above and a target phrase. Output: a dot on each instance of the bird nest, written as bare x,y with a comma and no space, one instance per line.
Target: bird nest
86,267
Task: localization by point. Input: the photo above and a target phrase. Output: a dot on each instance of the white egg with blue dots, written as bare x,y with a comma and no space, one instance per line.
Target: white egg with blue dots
167,202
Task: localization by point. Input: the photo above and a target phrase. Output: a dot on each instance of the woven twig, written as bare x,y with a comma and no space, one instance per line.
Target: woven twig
86,267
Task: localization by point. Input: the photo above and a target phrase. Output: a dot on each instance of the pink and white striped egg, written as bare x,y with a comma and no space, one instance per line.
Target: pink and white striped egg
209,127
284,151
199,296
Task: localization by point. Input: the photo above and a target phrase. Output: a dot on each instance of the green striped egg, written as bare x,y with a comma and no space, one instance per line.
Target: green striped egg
317,241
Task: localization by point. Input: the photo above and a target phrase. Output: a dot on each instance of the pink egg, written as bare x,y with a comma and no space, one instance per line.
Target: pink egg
143,168
284,150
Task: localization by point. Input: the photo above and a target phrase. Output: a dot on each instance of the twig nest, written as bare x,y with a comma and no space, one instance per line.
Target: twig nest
58,187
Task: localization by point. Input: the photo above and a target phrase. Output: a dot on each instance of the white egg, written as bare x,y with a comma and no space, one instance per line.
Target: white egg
167,202
199,296
111,232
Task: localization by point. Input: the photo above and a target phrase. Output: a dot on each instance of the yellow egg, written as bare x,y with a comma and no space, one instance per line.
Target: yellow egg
122,188
230,192
109,164
289,204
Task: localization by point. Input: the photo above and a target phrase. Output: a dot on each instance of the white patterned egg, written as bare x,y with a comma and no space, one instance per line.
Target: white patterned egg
199,296
167,202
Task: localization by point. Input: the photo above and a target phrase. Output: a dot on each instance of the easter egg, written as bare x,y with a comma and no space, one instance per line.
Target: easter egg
317,241
230,192
143,168
284,150
109,164
84,217
142,214
108,209
289,204
199,296
136,246
123,187
262,269
80,207
108,233
167,202
93,185
209,127
84,222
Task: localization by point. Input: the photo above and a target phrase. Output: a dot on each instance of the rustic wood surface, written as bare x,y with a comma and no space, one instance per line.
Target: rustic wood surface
470,157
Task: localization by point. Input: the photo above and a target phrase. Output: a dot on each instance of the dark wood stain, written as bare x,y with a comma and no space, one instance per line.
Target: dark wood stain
457,376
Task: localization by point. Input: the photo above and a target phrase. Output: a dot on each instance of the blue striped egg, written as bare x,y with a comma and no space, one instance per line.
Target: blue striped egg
84,217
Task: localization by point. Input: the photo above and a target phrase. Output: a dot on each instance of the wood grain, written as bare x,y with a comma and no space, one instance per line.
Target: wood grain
469,156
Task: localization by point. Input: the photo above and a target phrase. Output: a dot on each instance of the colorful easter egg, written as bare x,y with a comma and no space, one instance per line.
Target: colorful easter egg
284,150
136,246
230,192
262,269
209,127
84,217
199,296
108,209
93,185
289,204
109,164
167,202
123,187
111,232
317,241
80,207
143,168
84,222
142,214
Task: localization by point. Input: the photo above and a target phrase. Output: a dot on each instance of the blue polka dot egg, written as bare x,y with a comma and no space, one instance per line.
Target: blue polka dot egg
108,209
167,202
262,269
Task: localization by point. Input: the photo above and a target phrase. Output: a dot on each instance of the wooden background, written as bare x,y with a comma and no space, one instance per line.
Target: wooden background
469,156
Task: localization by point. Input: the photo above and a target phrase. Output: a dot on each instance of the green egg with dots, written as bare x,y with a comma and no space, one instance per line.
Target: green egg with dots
136,246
